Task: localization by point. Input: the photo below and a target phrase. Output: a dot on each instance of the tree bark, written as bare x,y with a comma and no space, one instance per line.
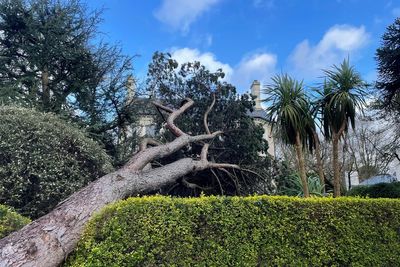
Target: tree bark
318,158
300,161
335,159
48,240
45,89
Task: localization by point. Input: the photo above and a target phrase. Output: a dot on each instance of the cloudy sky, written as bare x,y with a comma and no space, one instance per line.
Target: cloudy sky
251,39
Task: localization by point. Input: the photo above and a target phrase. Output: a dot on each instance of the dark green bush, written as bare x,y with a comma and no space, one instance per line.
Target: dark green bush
381,190
249,231
43,160
10,221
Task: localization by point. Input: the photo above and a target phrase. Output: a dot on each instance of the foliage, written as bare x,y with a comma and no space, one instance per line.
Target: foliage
237,231
342,93
294,187
242,142
381,190
10,221
289,108
43,160
388,59
51,59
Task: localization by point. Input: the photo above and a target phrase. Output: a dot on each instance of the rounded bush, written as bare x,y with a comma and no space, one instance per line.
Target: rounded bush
43,160
10,221
381,190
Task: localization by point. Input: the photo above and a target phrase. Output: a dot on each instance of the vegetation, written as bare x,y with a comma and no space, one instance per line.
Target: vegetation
293,186
388,59
49,61
10,221
242,142
342,94
288,107
43,160
251,231
381,190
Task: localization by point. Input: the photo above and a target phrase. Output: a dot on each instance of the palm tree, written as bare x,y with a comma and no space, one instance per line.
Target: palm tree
315,142
342,93
288,110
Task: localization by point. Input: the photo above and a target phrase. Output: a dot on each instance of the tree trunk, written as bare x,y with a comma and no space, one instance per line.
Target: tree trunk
48,240
45,89
300,161
335,159
335,166
318,158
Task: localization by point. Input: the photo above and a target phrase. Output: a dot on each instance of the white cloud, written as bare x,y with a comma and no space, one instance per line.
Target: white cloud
337,43
179,14
260,66
208,59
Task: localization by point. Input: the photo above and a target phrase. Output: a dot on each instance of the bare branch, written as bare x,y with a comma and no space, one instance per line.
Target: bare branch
205,118
140,160
162,107
148,141
193,185
174,114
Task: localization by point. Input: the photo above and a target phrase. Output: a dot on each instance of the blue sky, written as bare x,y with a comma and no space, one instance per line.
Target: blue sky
251,39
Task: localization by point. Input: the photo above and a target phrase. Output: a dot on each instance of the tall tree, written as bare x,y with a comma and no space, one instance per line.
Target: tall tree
51,59
288,107
341,95
242,142
388,59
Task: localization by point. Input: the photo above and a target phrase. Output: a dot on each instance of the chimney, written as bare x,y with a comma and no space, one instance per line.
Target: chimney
255,91
130,88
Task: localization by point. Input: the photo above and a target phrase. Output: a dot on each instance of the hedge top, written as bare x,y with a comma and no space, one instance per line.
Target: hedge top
243,231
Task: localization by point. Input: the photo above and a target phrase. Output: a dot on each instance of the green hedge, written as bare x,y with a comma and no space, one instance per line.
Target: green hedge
381,190
10,221
250,231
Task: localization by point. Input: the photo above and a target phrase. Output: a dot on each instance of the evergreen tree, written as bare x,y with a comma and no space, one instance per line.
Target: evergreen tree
388,59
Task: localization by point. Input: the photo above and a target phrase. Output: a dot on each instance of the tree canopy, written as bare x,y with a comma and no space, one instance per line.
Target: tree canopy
242,142
388,59
52,58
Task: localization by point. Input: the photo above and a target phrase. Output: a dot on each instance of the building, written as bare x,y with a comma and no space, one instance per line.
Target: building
260,117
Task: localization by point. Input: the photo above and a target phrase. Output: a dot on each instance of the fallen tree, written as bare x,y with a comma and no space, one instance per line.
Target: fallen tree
48,240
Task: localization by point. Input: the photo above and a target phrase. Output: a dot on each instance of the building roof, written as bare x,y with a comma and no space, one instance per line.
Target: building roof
259,114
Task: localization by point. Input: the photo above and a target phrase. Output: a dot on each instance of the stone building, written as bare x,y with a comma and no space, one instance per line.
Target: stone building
261,117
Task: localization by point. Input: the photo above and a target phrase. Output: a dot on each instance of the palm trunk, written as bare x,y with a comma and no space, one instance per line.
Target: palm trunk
300,161
335,166
335,160
318,158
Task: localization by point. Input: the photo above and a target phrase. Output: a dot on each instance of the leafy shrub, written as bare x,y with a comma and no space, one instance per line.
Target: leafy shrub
294,187
43,160
10,221
388,190
248,231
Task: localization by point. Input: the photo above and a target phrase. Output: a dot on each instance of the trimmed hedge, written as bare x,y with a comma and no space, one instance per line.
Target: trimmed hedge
43,160
10,221
249,231
381,190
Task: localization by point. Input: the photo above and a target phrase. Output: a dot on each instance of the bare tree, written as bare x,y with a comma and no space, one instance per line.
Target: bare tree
48,240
